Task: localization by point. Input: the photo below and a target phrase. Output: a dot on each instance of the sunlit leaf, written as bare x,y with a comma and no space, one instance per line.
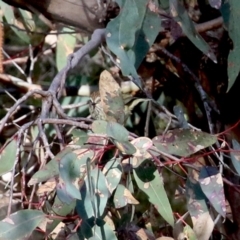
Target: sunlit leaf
65,46
7,157
20,224
123,196
113,173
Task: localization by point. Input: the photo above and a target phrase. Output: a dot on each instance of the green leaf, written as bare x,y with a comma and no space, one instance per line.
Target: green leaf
151,183
230,12
19,225
189,233
113,173
181,16
196,199
122,197
103,232
7,157
72,169
50,170
212,186
79,136
97,196
235,155
65,46
125,147
117,132
99,127
11,20
59,209
183,142
132,43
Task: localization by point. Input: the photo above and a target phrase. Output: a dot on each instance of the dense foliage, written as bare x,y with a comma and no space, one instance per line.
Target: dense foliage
130,133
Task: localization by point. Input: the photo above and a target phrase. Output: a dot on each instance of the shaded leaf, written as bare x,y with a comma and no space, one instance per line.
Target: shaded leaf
123,196
131,44
20,224
181,16
113,173
212,185
11,20
230,12
235,156
59,209
150,182
183,142
7,157
72,170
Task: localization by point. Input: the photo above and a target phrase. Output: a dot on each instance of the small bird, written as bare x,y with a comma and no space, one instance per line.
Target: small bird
95,107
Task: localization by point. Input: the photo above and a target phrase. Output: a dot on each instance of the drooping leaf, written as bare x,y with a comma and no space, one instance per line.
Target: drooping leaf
181,16
235,156
197,207
131,44
20,224
212,185
7,157
96,196
203,226
122,197
196,199
230,10
183,142
113,173
71,171
98,231
151,183
65,46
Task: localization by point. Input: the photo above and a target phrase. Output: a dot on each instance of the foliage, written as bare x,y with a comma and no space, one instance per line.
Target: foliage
149,163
